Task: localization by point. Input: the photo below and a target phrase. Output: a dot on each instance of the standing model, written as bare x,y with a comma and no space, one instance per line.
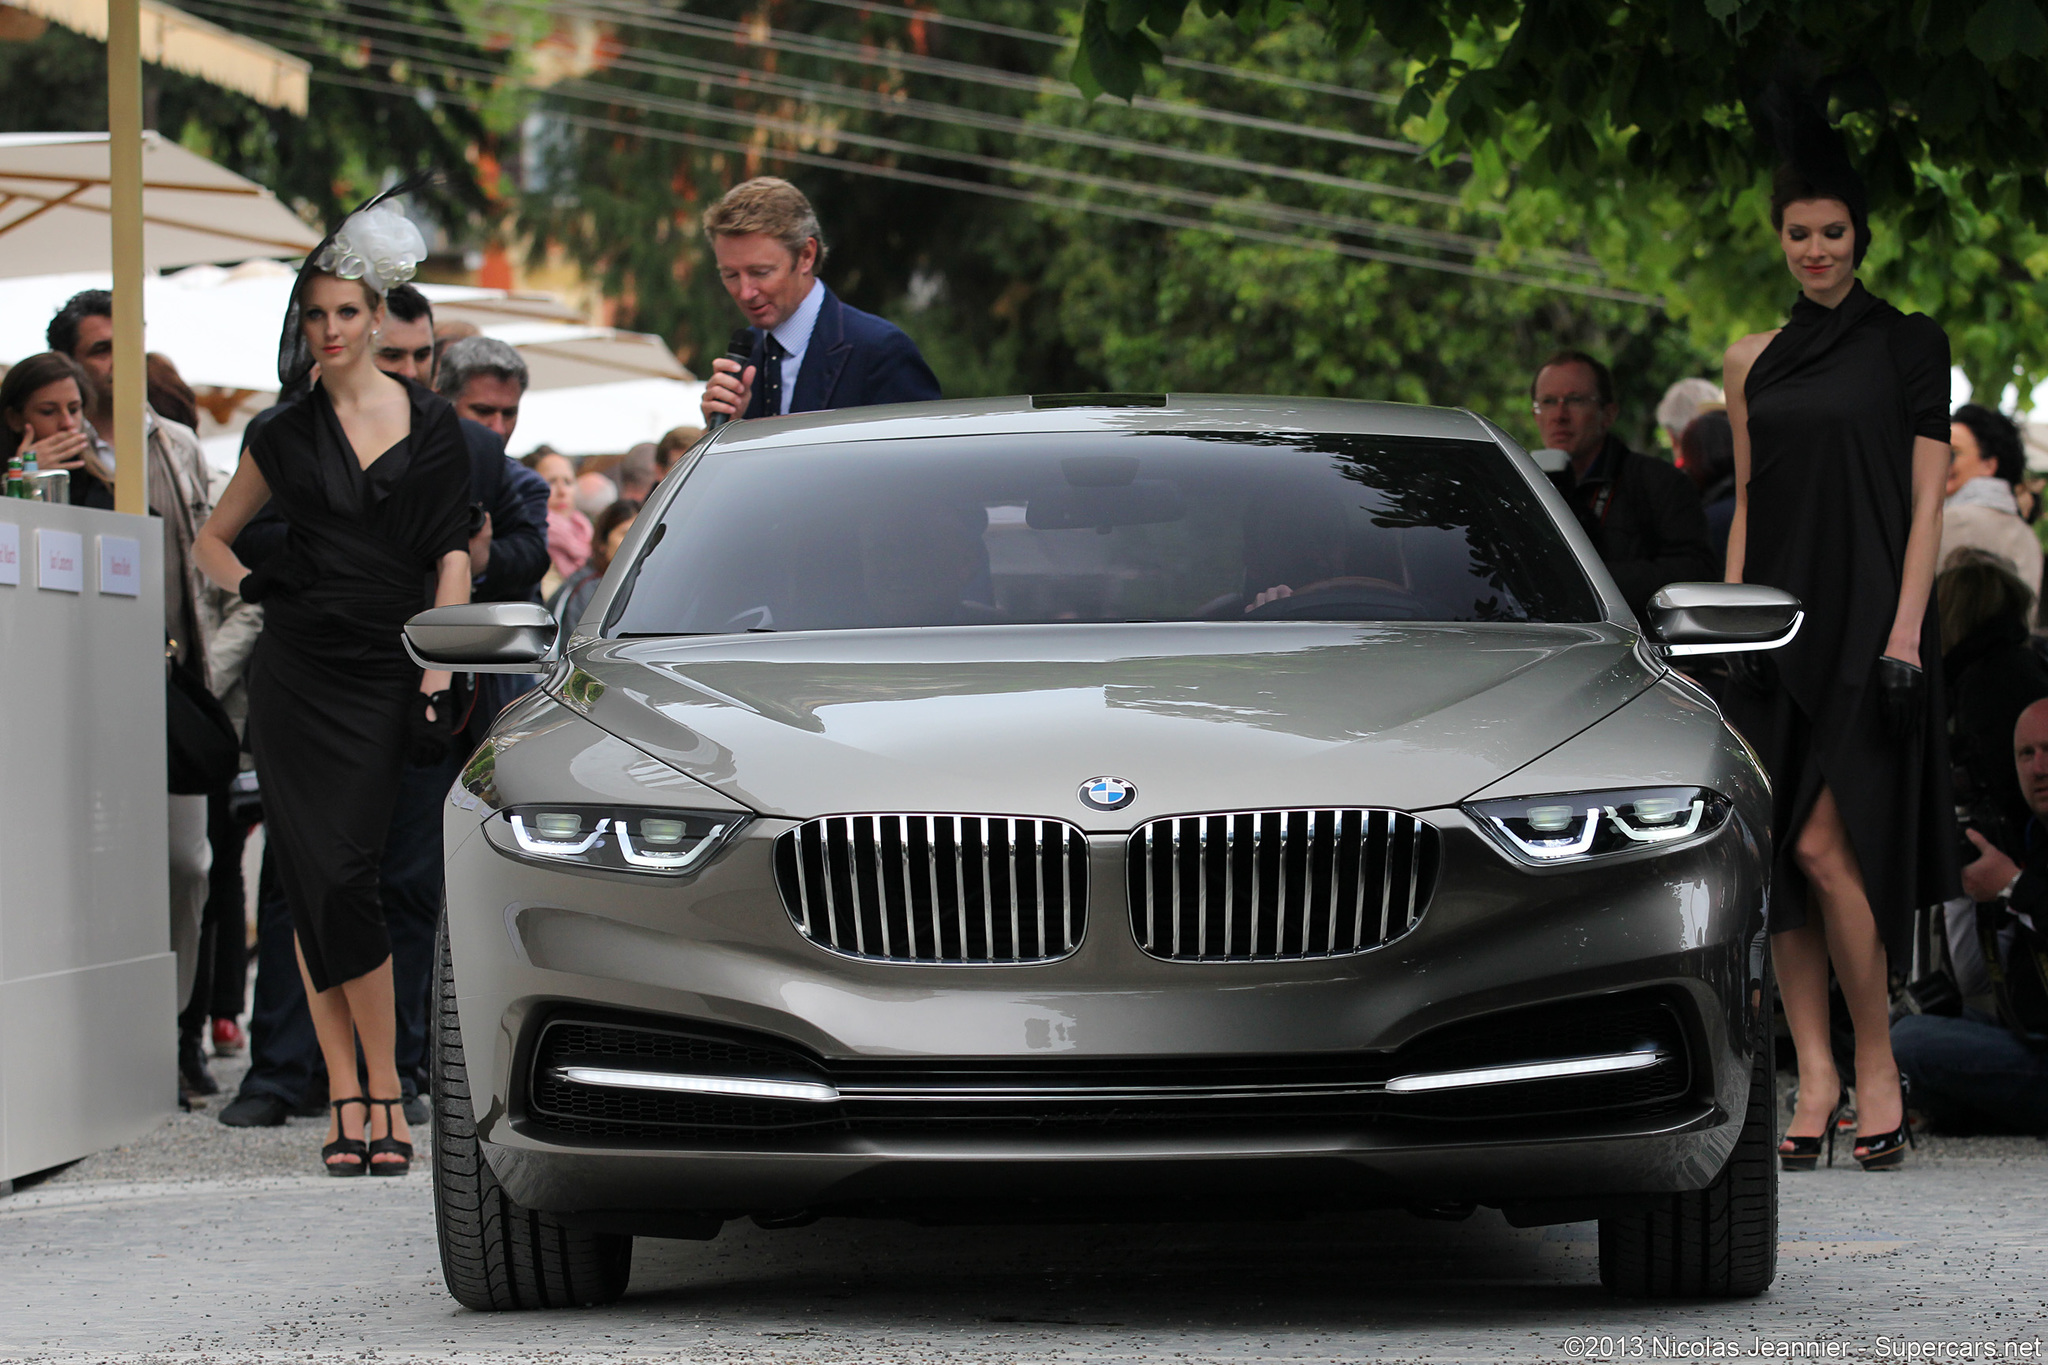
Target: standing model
372,477
1840,420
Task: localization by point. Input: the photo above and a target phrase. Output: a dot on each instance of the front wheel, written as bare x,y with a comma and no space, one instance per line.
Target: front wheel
497,1254
1719,1242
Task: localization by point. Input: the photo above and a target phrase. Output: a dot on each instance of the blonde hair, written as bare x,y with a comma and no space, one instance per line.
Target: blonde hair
770,205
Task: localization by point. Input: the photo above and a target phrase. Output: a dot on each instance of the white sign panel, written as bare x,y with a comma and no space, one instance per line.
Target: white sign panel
10,553
60,560
120,566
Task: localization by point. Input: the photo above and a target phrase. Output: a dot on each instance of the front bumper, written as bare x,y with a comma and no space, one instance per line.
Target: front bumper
530,945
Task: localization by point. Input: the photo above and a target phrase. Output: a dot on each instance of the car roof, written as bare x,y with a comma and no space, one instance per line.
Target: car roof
1217,412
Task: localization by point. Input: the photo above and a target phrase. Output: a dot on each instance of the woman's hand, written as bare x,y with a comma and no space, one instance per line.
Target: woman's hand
430,730
1901,695
66,450
1906,649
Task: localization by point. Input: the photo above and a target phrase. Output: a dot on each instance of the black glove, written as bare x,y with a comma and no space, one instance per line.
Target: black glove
428,741
1752,669
282,574
1901,696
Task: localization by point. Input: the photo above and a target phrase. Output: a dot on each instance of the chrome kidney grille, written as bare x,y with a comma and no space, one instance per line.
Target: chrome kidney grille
936,888
1261,885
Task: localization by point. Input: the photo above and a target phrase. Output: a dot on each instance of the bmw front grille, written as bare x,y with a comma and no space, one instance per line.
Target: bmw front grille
1249,886
936,888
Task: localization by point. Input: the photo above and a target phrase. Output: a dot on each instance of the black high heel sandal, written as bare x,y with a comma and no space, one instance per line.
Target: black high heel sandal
1887,1151
388,1145
346,1145
1803,1153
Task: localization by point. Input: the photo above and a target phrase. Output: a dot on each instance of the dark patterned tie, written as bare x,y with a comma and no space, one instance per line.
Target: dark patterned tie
772,353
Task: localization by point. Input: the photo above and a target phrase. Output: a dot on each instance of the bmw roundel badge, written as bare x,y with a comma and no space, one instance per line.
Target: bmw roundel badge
1108,793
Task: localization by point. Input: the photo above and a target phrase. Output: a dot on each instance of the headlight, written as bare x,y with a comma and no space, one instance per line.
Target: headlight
1545,830
613,838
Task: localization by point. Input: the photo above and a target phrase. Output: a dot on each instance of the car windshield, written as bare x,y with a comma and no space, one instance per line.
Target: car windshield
1087,527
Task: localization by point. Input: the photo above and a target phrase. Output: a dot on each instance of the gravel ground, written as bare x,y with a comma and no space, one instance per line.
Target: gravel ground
203,1243
197,1146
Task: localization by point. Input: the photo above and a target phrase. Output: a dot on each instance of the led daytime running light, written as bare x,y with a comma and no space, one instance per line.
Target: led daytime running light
1556,848
665,861
554,848
1657,834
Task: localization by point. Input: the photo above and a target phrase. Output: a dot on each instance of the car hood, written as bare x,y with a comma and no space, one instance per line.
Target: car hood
1014,719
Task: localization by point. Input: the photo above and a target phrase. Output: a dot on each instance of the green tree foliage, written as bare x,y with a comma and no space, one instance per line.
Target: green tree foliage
1154,307
1625,126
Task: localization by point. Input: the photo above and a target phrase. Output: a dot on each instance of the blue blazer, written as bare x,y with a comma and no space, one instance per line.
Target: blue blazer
855,360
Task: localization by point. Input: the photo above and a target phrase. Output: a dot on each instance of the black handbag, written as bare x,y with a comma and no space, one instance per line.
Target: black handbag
200,742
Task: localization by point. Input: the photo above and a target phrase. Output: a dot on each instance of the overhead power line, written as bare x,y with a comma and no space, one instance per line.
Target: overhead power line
704,27
1027,35
640,61
1014,194
597,92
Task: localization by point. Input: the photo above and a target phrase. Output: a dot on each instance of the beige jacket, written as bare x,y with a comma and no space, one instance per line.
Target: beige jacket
196,613
231,626
2000,533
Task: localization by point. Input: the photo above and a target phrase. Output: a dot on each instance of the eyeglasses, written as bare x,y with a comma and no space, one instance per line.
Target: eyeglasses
1583,402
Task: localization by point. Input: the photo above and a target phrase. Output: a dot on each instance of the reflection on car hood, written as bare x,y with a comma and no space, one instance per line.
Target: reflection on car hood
1013,719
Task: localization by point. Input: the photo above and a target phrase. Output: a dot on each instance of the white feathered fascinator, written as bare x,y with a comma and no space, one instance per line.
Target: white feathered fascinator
376,244
379,246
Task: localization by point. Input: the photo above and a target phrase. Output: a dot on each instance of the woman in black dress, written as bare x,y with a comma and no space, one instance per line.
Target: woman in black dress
1841,428
372,477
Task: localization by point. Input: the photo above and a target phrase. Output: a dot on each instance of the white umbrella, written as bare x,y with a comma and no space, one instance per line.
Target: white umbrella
220,327
54,201
605,419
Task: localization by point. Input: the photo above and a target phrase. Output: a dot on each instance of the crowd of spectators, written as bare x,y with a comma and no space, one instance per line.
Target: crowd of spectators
1972,1032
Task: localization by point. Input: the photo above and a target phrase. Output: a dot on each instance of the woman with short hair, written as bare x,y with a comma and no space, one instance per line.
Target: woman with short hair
1840,420
1980,510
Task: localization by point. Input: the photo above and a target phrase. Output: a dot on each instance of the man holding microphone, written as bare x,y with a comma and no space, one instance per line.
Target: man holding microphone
807,350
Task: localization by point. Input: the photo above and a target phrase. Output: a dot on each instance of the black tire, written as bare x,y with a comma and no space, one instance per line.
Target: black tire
1719,1242
496,1254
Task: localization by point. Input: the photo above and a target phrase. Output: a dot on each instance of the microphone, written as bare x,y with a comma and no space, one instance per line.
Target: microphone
741,349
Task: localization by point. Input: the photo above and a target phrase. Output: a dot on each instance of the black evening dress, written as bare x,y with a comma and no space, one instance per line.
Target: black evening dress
1835,402
330,684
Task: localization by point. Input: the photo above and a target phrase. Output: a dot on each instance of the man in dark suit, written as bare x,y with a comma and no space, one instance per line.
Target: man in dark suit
1642,515
810,351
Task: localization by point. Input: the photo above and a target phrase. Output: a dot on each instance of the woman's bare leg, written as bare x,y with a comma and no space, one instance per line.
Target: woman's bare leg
335,1026
1827,858
371,1001
1799,957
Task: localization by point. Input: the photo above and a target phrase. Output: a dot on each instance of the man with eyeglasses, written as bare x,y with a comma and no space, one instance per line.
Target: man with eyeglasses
1642,515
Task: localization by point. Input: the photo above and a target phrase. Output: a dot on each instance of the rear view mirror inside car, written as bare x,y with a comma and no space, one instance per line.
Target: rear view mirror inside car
1143,502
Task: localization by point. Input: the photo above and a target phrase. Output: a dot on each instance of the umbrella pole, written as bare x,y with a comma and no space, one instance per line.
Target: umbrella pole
124,171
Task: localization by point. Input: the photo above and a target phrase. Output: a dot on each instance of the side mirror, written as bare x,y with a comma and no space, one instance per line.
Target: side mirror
1723,618
484,637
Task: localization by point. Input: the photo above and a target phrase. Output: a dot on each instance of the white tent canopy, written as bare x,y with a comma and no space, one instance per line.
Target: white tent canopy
220,328
54,201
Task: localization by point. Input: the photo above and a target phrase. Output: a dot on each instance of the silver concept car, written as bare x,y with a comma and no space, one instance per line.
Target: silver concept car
1106,807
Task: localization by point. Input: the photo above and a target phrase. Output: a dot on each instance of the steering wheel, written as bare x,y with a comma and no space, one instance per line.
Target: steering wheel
1371,595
